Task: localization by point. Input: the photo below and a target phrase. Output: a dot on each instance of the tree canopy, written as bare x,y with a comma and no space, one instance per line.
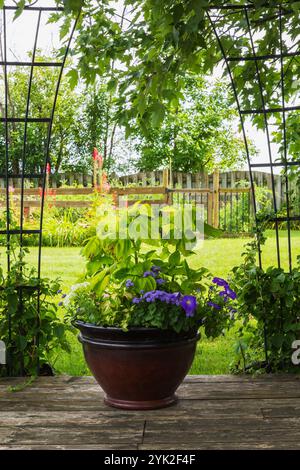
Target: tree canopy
196,135
156,43
146,50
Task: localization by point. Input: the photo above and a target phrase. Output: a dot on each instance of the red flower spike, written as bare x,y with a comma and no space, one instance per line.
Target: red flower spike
95,154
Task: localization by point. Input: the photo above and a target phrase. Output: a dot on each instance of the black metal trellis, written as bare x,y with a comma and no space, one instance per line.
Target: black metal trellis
244,17
26,119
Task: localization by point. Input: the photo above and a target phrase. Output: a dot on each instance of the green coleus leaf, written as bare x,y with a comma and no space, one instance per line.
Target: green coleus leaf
92,248
100,282
174,258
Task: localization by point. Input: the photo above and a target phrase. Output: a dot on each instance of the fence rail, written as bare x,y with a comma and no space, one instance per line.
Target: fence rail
225,208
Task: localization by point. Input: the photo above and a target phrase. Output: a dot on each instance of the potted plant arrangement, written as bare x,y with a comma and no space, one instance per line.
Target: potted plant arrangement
139,310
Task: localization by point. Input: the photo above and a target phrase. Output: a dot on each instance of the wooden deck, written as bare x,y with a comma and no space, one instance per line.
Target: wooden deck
214,412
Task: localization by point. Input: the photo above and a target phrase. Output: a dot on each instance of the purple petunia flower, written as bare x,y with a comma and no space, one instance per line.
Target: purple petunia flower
220,282
160,282
136,300
129,283
60,304
214,305
223,293
231,294
189,305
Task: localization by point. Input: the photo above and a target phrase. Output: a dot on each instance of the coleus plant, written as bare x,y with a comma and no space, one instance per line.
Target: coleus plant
129,284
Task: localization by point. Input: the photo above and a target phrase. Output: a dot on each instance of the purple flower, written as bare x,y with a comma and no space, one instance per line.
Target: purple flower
230,293
148,273
59,291
214,305
232,311
223,293
175,298
155,269
63,296
189,305
220,282
129,283
159,282
60,304
150,296
136,300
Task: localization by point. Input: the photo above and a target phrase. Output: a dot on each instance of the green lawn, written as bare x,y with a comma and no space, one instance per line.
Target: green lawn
219,256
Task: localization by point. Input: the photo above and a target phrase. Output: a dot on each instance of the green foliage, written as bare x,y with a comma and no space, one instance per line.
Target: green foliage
154,268
197,134
30,335
268,305
95,124
41,102
157,43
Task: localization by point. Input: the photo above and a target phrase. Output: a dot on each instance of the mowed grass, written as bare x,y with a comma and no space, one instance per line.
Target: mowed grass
218,255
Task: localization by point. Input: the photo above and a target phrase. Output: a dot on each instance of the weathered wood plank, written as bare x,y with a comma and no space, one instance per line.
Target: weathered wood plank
282,409
31,412
102,446
215,379
266,445
223,412
118,431
201,431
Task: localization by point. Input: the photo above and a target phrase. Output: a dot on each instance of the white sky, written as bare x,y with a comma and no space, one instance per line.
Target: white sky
20,39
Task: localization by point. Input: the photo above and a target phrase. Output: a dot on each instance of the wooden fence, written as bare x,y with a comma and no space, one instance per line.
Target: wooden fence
222,206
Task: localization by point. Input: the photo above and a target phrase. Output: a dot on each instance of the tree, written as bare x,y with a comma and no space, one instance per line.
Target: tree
159,42
196,134
156,44
41,101
96,125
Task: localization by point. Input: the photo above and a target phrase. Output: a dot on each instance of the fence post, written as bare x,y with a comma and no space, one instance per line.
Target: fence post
209,207
165,180
165,183
216,184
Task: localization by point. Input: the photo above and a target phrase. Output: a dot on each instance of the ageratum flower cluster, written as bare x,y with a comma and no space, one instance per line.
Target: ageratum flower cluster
187,302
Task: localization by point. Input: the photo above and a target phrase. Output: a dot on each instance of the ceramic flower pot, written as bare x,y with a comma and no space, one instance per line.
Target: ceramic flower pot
139,369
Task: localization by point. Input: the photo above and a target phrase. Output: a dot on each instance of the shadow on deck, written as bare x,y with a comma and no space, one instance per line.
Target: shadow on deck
214,412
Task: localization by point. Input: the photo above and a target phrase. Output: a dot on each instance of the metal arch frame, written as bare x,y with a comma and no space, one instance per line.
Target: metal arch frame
49,121
283,109
244,10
